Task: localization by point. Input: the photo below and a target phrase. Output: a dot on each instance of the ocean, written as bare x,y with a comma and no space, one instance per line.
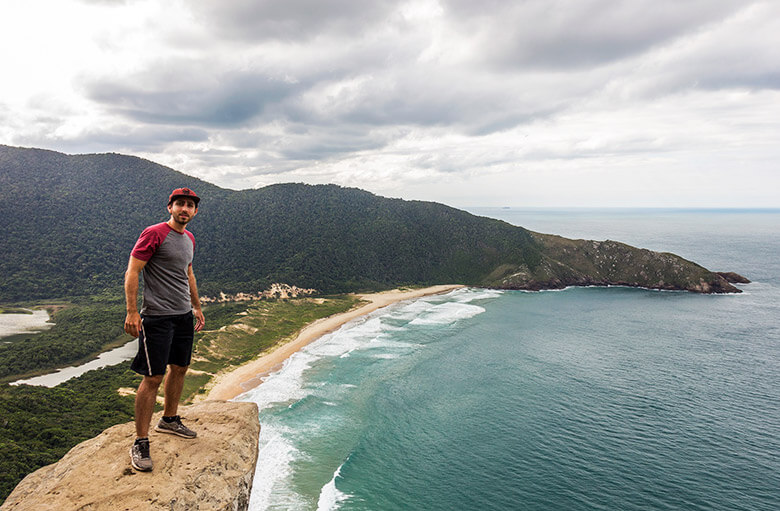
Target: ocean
579,399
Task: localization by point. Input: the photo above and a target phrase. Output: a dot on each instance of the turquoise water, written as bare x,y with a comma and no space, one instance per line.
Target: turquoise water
586,398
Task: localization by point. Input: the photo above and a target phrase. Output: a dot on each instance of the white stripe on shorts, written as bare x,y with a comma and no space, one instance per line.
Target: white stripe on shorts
146,351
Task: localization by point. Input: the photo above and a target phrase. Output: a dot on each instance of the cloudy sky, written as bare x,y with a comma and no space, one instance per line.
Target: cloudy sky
490,102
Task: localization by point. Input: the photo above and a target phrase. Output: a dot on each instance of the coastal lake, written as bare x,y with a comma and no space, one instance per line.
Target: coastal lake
580,399
14,323
108,358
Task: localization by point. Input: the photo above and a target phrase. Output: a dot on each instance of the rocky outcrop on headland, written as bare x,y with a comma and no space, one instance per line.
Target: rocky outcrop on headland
734,278
213,471
564,262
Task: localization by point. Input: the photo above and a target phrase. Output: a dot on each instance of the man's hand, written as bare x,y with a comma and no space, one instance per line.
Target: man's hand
200,321
133,323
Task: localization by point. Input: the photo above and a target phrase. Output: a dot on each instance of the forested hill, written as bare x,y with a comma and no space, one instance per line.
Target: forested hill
68,224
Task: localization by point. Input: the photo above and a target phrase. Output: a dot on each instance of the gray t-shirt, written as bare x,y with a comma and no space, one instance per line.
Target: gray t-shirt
168,255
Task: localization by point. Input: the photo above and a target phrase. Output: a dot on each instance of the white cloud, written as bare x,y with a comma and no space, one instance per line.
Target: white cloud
542,102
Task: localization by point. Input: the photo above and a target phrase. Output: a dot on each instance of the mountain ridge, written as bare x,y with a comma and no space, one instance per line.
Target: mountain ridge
71,220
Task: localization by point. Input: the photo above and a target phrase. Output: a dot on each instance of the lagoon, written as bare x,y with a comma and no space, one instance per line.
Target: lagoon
13,324
107,358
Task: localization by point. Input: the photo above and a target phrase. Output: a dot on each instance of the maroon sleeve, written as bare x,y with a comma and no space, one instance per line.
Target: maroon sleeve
149,240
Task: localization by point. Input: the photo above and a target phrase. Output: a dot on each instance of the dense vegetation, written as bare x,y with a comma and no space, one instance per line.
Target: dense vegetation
80,331
69,223
39,425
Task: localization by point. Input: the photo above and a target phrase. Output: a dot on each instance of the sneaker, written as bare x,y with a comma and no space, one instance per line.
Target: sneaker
139,455
175,427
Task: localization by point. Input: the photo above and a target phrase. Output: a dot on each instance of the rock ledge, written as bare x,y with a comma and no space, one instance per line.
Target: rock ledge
213,471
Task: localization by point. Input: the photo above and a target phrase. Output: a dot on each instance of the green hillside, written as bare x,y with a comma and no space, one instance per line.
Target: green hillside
69,223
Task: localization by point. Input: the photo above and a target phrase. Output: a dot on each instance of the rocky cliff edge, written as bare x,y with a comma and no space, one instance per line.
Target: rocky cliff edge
213,471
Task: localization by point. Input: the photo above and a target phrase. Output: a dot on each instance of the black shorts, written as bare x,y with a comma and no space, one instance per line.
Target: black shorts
164,340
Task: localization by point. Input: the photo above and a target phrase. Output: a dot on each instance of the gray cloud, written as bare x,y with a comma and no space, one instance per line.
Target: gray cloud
565,34
252,20
203,98
435,96
327,143
735,54
391,86
740,54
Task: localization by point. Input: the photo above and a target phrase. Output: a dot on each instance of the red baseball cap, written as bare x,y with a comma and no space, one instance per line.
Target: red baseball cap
183,192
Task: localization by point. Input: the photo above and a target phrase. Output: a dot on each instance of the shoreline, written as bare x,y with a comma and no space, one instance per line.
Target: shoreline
228,385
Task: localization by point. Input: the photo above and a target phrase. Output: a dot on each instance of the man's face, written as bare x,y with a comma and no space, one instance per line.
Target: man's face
182,210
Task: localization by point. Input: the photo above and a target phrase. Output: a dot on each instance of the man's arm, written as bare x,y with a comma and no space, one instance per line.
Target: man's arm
133,319
200,320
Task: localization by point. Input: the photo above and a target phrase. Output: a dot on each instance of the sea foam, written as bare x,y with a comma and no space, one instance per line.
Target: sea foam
284,385
277,453
330,496
446,313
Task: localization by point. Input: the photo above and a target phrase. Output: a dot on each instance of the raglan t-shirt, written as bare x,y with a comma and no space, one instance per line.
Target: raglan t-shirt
168,255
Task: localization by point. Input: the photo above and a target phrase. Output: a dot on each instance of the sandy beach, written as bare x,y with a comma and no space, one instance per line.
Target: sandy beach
230,384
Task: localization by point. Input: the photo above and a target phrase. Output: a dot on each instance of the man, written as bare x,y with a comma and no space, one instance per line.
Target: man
164,326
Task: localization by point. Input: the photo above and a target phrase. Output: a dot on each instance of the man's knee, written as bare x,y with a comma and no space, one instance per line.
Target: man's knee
179,370
152,381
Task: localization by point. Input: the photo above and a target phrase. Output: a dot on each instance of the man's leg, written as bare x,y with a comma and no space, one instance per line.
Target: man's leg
145,398
174,383
178,363
171,422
